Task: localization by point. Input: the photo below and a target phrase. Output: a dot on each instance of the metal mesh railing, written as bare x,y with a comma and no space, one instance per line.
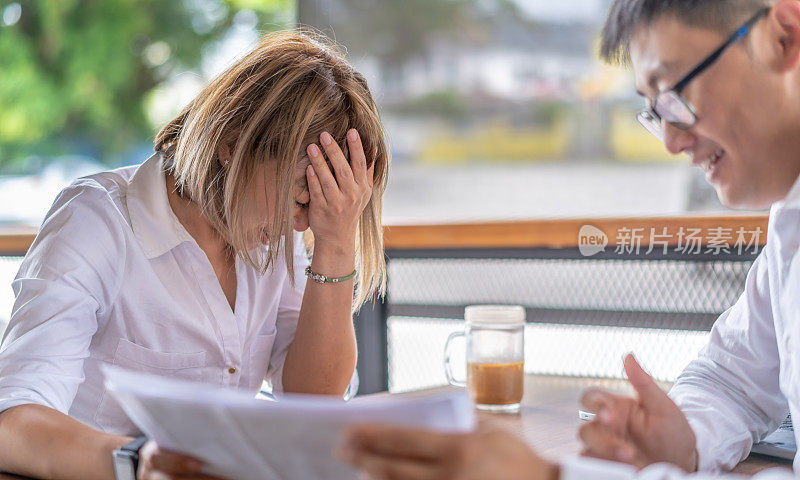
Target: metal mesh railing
583,314
677,286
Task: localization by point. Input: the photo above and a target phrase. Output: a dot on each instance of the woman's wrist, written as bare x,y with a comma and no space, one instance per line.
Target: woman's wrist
107,444
695,462
334,259
553,471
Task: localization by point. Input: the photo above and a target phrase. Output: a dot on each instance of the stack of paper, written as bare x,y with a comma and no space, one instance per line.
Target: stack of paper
242,438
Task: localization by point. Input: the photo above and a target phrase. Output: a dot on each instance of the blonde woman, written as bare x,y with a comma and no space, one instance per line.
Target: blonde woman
191,265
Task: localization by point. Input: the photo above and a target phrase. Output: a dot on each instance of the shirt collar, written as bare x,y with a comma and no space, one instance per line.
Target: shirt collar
154,224
792,199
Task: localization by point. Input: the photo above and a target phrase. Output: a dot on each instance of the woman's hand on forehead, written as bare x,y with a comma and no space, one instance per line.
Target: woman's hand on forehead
304,162
339,188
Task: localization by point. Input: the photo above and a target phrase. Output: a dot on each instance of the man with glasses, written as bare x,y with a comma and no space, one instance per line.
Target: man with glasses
721,83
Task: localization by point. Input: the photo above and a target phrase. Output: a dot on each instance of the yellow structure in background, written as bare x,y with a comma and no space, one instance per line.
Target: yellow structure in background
498,141
630,142
501,141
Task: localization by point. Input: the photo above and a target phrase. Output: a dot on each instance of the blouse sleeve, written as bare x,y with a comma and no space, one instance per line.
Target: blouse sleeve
67,280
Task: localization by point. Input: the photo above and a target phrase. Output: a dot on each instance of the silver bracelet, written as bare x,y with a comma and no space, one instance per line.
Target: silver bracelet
320,278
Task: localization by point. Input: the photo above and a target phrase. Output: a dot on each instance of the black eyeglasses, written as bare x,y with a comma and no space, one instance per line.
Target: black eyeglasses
670,106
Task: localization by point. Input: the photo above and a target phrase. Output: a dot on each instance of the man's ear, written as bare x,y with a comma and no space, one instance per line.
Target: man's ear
783,32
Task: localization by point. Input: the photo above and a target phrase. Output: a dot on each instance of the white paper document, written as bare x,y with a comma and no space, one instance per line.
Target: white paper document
242,438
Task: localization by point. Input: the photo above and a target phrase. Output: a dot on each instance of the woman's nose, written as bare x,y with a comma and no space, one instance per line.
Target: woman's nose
301,220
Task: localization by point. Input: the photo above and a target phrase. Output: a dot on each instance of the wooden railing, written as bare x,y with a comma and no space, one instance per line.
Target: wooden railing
560,233
564,233
14,241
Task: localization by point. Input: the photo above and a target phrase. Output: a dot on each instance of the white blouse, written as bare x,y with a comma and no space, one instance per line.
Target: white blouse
114,278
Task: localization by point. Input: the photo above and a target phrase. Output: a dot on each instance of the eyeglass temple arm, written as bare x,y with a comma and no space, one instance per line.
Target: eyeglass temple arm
714,56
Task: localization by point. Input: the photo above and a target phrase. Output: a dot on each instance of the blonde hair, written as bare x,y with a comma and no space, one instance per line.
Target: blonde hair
269,106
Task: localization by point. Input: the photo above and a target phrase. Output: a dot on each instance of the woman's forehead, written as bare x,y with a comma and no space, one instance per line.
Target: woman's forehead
302,163
299,174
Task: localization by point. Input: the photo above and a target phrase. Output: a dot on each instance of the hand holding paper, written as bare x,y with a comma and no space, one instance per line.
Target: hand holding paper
242,438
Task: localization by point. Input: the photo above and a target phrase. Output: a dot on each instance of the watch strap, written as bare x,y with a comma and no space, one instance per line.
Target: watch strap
135,445
128,454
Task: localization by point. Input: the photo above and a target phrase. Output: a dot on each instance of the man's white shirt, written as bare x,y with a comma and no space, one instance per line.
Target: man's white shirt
113,277
747,378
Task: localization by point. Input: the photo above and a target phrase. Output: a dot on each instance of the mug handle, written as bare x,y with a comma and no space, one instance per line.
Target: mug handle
447,370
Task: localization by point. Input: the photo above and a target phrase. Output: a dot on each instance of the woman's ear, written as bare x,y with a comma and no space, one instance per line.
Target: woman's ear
224,155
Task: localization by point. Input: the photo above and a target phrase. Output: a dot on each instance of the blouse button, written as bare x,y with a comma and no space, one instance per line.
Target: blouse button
231,370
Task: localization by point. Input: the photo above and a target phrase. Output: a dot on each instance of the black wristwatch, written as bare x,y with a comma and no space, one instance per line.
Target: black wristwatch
126,459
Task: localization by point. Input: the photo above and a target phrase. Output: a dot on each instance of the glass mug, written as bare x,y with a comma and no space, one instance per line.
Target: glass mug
495,336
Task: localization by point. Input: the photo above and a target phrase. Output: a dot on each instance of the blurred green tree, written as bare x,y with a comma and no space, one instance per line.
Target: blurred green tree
74,73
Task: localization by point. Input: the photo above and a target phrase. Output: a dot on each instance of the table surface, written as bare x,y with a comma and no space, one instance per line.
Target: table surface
548,419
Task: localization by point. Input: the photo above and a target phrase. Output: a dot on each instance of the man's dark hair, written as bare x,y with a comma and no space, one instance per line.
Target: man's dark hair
625,16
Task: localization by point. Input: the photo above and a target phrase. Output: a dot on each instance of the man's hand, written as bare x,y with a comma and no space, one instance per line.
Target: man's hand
639,431
390,453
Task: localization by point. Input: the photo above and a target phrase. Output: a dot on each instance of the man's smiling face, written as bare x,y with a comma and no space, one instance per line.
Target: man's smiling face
746,135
